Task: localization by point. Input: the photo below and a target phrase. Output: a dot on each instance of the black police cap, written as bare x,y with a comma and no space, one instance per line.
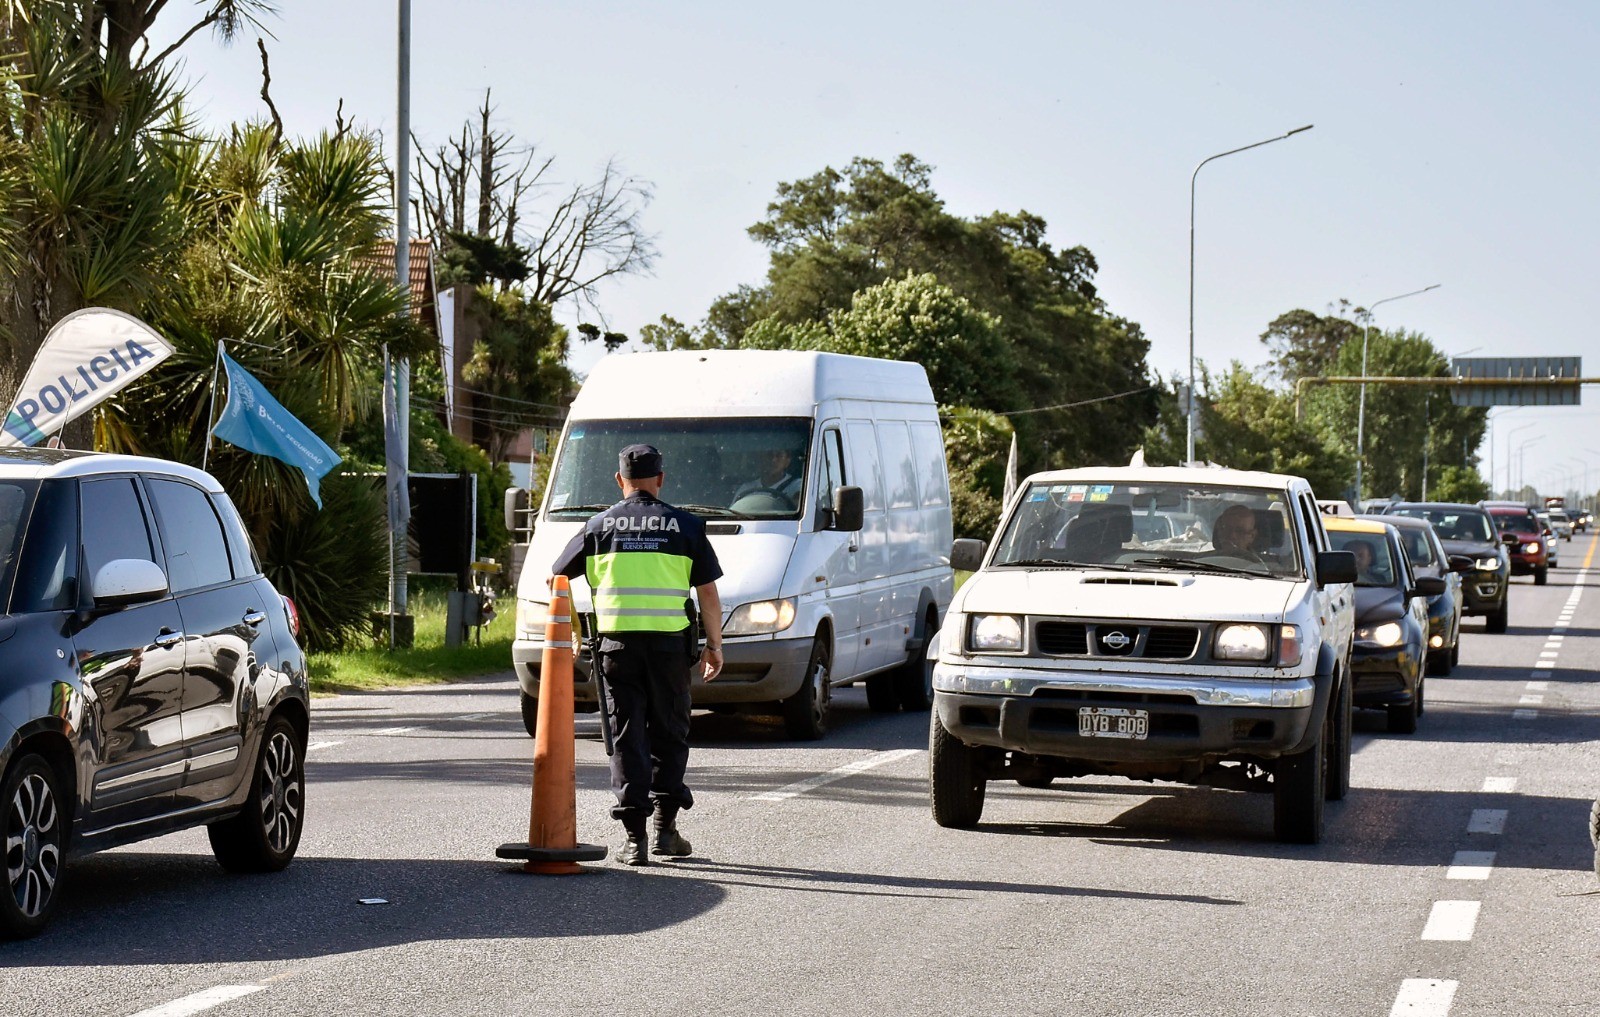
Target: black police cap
639,462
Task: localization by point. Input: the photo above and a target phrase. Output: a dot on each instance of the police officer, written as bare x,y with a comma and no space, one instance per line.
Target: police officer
641,557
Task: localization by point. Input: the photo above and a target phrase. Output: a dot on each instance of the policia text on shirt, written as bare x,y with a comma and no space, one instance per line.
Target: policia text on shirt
641,557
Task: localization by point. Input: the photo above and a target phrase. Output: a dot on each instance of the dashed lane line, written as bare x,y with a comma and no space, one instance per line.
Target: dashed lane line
199,1001
1525,714
1424,997
1531,701
837,773
1471,865
1538,686
314,746
1452,921
1500,785
1489,821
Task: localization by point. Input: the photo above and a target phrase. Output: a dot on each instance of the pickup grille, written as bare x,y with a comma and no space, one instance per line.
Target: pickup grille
1115,639
1062,639
1171,643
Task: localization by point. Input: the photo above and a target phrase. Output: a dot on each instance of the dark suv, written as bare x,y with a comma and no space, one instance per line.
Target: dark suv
1468,530
149,675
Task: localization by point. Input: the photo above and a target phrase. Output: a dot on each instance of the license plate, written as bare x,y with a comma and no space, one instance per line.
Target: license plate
1110,722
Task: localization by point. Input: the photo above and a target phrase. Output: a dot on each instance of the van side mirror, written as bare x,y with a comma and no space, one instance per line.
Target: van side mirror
1335,567
124,581
516,509
966,554
849,509
1427,586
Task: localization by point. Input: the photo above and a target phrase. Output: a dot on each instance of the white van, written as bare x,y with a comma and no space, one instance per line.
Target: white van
822,481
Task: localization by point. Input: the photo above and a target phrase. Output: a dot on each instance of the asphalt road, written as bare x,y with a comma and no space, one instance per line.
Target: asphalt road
1457,877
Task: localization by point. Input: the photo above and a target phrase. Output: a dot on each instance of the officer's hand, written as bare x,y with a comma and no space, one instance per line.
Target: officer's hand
712,659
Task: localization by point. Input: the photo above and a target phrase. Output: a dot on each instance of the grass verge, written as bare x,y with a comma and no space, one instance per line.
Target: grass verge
426,663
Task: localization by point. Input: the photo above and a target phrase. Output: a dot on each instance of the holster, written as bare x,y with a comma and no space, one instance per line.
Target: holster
691,634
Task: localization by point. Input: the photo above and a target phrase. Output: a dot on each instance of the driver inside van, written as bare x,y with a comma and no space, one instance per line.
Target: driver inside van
775,477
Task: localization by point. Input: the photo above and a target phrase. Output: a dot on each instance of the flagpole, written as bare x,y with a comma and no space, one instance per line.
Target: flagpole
211,411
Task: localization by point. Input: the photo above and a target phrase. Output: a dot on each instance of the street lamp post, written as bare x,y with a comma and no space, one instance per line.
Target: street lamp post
1361,405
1514,430
1522,461
1190,411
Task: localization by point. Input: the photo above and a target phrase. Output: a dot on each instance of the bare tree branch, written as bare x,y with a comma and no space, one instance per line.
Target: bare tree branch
266,95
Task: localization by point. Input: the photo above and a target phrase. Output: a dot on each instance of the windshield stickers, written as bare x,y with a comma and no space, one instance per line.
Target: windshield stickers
1100,492
1075,492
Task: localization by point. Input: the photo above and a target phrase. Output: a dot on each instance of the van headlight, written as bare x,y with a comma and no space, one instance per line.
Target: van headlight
760,618
1387,634
531,618
1242,642
1489,564
992,632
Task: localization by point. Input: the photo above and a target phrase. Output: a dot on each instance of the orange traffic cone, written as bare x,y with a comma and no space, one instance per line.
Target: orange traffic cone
552,848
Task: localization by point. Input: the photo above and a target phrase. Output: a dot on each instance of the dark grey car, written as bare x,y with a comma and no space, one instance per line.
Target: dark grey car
149,675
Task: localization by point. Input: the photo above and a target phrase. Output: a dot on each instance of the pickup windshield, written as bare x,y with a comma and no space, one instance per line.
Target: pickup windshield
718,467
1166,526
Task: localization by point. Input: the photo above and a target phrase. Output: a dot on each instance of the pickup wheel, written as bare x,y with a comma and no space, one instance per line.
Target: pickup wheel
955,778
1298,786
1338,779
1496,623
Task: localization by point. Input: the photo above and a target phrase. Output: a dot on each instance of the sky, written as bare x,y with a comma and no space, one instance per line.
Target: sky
1454,143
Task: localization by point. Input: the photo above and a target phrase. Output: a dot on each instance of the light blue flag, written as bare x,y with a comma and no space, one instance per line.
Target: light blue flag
255,421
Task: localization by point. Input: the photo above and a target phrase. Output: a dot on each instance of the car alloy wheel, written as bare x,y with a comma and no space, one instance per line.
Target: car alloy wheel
35,840
281,792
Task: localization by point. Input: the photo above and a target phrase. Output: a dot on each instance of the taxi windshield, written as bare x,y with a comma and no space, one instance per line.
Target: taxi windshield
720,467
1166,526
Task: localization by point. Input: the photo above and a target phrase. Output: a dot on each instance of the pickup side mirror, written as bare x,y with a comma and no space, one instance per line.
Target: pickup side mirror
124,581
1427,586
1462,563
1335,567
966,554
848,509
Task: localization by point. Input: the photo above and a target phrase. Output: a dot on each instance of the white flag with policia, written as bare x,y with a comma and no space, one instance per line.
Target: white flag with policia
88,357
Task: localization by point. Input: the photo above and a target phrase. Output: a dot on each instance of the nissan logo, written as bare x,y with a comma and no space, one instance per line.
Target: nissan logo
1117,640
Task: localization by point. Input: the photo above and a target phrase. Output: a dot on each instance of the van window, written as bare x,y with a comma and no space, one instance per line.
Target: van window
832,467
864,450
718,467
929,446
899,471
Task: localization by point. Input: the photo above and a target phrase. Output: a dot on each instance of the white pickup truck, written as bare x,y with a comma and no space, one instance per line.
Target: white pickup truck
1164,623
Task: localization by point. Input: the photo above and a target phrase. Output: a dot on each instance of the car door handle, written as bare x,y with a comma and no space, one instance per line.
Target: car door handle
254,618
168,639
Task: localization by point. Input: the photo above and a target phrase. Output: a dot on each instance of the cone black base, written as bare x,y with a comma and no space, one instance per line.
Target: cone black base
524,852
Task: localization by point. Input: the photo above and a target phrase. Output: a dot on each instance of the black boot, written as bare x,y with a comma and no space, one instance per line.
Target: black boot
668,840
634,851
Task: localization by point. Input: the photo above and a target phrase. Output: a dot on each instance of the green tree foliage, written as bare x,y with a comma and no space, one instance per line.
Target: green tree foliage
518,366
976,444
1304,344
837,233
1457,483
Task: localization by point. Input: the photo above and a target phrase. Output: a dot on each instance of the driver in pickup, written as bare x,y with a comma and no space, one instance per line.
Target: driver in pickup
1234,533
775,477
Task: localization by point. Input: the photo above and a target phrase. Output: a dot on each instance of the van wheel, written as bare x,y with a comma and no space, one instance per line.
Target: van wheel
1338,782
264,836
955,779
1298,785
34,832
530,714
805,714
914,679
1496,623
881,696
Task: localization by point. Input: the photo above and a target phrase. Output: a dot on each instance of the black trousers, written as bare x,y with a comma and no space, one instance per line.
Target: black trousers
647,706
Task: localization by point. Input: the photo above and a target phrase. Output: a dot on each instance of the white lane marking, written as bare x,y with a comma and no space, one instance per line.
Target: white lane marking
1531,701
1538,686
1471,865
1424,997
474,716
1524,714
1500,785
1563,624
1452,921
837,773
314,746
199,1001
394,730
1549,654
1490,821
1544,663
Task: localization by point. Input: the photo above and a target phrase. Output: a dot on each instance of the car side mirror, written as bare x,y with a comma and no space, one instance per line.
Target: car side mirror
1462,563
1335,567
124,581
966,554
1427,586
849,511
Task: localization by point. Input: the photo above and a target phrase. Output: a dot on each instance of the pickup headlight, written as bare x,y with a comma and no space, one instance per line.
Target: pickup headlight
760,618
1531,548
991,632
1242,642
1489,564
1386,634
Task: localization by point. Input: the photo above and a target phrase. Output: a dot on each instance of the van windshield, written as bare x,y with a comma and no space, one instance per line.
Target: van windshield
722,467
1179,527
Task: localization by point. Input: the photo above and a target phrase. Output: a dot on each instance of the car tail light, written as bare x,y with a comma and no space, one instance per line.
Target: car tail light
294,617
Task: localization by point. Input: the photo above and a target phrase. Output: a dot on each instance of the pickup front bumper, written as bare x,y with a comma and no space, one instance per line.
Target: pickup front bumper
1190,717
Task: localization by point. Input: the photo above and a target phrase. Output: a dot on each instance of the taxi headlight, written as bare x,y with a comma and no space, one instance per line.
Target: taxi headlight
531,616
1242,642
760,618
996,632
1387,634
1489,564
